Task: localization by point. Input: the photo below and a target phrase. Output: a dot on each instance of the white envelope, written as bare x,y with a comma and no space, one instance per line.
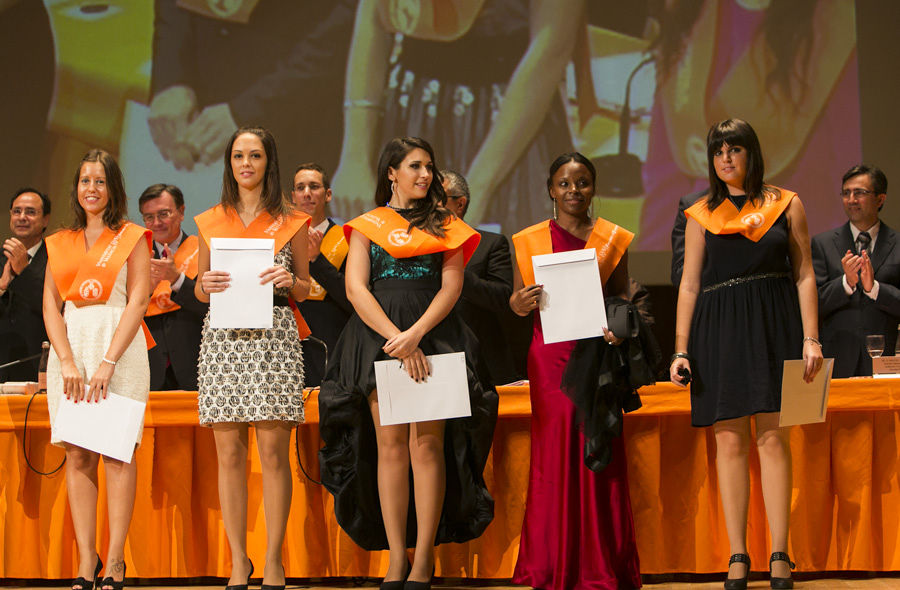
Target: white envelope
802,402
110,427
245,303
572,306
444,394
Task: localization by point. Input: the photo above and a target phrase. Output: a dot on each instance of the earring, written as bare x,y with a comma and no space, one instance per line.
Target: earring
591,209
555,212
393,187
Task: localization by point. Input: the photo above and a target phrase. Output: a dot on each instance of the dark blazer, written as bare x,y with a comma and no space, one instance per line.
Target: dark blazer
22,318
326,318
844,320
484,303
678,236
177,336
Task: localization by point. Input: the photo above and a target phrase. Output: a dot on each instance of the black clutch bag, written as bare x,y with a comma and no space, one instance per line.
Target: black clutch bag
620,318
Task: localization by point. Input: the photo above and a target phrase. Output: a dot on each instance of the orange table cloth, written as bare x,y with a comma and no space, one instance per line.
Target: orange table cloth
845,508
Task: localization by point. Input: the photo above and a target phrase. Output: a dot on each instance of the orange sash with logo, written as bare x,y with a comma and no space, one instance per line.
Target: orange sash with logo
185,262
219,222
388,229
90,278
751,221
608,239
236,11
334,248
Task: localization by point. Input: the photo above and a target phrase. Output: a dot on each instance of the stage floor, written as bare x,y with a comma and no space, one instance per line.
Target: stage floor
892,583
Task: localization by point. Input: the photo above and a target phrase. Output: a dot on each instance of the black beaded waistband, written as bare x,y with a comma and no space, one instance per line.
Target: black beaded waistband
279,301
406,285
747,279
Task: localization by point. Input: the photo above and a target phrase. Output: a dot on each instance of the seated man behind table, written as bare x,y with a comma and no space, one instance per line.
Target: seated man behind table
327,309
23,261
487,285
174,316
857,269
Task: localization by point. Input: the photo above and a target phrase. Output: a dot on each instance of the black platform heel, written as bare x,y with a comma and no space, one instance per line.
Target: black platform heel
738,583
242,586
108,580
780,582
88,584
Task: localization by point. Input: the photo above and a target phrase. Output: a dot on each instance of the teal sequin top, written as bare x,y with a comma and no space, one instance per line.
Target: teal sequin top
385,266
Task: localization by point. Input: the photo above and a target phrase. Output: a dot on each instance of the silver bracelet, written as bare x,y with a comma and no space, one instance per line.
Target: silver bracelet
106,360
813,340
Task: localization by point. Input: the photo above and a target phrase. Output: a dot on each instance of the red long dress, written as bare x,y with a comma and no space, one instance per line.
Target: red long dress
578,531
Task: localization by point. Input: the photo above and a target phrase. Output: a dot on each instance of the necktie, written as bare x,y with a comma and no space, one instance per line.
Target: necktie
862,241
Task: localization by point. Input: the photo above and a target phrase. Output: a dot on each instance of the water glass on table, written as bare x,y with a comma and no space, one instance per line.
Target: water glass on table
875,345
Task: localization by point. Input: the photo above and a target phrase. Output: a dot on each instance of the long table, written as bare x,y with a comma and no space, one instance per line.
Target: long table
845,509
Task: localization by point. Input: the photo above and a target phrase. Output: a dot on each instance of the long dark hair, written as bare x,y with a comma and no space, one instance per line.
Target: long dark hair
737,132
117,207
427,214
565,159
272,198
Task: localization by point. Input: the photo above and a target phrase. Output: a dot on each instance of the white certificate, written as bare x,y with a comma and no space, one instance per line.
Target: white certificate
572,306
802,402
110,427
443,394
245,303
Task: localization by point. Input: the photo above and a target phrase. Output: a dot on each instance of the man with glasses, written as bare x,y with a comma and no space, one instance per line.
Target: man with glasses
487,285
23,260
326,309
858,274
174,316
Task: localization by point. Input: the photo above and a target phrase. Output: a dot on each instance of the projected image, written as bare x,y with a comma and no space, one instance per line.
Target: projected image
499,88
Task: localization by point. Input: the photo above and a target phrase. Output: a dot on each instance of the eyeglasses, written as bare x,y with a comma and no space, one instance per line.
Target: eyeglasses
857,192
163,216
27,212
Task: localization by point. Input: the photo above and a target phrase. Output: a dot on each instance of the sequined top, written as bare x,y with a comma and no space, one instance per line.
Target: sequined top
385,266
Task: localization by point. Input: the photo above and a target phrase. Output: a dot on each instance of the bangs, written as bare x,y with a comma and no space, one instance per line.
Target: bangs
731,134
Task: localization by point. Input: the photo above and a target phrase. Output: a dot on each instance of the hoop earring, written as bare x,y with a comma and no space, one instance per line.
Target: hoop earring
555,212
591,209
393,188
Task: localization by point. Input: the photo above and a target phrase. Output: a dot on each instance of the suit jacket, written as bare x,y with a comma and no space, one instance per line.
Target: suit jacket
326,318
678,236
22,318
484,304
177,336
844,320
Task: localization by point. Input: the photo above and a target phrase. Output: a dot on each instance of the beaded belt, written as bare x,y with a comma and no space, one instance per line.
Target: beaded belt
747,279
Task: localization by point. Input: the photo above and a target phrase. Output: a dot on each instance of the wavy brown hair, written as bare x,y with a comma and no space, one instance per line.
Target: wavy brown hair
272,198
428,214
117,207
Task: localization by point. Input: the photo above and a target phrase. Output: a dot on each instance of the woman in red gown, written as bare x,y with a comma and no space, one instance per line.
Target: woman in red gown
578,530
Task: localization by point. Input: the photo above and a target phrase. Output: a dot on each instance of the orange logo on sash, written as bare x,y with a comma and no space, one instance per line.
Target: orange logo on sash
90,290
163,301
390,230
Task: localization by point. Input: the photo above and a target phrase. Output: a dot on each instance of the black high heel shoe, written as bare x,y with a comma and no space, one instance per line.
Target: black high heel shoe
419,585
273,586
242,586
88,584
738,583
780,582
108,580
397,584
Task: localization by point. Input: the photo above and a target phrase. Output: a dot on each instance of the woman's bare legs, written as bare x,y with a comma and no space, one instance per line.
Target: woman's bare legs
733,469
426,451
774,446
121,483
393,487
81,486
231,452
273,440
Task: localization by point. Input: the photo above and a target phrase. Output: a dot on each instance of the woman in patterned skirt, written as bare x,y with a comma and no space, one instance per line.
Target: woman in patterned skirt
254,375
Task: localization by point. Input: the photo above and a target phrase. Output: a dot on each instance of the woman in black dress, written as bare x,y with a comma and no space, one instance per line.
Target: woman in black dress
747,302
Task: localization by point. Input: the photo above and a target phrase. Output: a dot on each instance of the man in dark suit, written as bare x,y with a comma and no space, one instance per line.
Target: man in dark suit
175,316
327,308
23,260
487,285
858,274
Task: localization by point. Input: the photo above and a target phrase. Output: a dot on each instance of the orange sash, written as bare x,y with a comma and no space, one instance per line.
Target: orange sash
185,262
751,221
388,229
91,276
334,248
221,223
237,11
608,239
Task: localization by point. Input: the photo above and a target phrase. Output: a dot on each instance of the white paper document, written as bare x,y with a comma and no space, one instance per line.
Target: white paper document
444,394
245,303
802,402
572,305
110,427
